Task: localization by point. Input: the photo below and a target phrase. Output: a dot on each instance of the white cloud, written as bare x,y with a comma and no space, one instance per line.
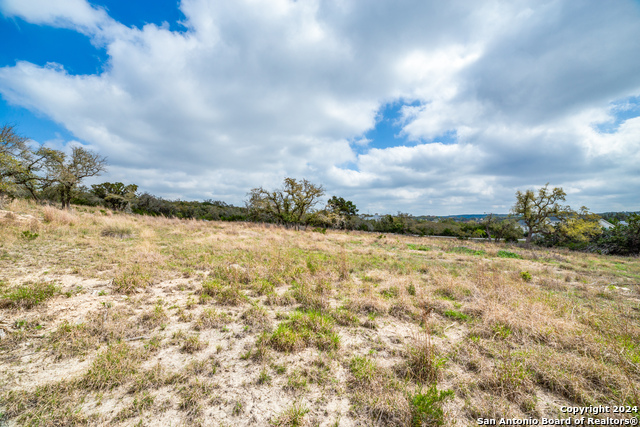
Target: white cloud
256,90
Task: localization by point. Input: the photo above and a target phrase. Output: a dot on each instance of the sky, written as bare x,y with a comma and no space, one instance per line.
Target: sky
422,107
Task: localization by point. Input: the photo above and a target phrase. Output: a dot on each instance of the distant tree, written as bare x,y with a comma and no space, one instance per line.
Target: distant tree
67,172
576,229
535,210
115,195
288,205
499,229
340,206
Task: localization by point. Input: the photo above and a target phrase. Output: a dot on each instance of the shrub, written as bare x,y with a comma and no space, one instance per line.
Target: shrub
507,254
427,407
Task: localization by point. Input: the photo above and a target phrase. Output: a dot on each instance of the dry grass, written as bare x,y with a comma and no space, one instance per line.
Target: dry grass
123,319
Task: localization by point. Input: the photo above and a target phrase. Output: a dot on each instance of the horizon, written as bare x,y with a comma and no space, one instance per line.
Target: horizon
425,108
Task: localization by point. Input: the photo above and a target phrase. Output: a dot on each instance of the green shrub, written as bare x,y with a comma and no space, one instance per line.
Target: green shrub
28,235
526,276
453,314
427,407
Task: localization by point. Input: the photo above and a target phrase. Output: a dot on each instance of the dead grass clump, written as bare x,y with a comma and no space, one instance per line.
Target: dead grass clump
310,298
189,343
112,324
152,378
191,396
58,216
140,404
131,279
210,318
378,393
293,416
423,360
510,378
155,317
368,304
344,317
281,300
28,295
112,367
206,367
121,232
54,404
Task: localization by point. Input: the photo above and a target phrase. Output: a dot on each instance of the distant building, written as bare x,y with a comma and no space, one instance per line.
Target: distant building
605,224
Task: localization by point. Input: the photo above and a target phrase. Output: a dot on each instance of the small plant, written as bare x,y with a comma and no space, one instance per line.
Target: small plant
426,407
292,416
411,290
526,276
507,254
193,344
28,235
320,230
264,377
238,407
28,295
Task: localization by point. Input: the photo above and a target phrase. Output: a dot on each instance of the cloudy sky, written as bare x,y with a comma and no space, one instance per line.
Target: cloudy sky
425,107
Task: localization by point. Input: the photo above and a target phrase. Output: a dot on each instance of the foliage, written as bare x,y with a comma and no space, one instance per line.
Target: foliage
575,229
290,205
341,206
507,254
506,229
619,240
427,407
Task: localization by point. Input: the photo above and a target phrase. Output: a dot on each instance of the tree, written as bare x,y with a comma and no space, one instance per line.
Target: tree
507,229
66,172
288,205
116,195
535,210
19,164
576,229
340,206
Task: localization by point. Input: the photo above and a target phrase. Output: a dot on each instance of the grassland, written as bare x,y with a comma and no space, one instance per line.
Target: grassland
129,320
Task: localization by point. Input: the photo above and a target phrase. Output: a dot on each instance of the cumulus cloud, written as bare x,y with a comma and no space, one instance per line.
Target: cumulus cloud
256,90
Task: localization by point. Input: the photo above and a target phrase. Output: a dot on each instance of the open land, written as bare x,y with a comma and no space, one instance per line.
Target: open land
118,319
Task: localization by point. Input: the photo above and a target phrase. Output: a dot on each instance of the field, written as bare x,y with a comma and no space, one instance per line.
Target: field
127,320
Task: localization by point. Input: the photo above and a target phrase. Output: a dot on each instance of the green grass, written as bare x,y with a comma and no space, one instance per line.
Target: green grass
466,251
456,315
28,295
507,254
415,247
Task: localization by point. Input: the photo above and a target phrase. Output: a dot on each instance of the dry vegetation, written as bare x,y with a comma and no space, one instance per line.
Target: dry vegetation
129,320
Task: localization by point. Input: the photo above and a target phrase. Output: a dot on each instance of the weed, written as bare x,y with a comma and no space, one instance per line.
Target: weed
28,235
466,251
112,367
427,407
292,416
305,329
28,295
423,360
131,278
264,377
192,344
526,276
210,318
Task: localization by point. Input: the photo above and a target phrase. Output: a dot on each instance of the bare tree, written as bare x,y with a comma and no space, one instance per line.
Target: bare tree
18,163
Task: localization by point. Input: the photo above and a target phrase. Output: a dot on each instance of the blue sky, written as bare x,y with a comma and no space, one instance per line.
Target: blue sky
418,106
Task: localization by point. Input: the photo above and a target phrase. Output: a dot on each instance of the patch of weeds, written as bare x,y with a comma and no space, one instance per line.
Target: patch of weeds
526,276
304,329
225,294
51,404
112,367
70,340
28,235
507,254
140,404
211,318
238,408
501,330
456,315
320,230
28,295
466,251
291,417
426,407
418,247
192,344
281,300
297,380
411,290
154,317
391,292
344,317
263,286
191,396
206,367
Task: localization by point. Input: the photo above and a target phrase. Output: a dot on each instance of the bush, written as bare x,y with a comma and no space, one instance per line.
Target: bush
427,407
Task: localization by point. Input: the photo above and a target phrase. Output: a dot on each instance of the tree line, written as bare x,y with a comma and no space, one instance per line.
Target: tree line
45,174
